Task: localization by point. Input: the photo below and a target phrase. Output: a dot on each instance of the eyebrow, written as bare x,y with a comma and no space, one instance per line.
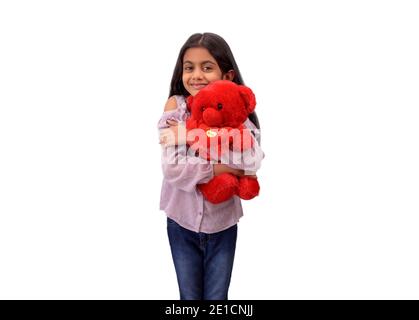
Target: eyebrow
203,62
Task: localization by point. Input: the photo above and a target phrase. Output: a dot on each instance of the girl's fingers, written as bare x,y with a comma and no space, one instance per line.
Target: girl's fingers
167,138
173,135
163,136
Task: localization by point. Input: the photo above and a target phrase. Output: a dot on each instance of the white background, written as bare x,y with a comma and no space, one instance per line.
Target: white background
83,84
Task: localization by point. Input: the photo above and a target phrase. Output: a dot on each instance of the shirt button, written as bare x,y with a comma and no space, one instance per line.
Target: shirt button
200,213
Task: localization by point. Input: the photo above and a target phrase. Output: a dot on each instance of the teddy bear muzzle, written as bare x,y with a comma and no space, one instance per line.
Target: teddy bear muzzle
212,117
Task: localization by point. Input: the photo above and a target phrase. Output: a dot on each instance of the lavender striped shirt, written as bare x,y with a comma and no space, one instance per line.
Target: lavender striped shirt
181,199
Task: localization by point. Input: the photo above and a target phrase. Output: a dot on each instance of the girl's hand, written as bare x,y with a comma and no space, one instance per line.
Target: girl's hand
222,168
250,174
174,135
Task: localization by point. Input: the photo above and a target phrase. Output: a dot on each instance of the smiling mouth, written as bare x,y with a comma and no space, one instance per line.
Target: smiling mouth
198,86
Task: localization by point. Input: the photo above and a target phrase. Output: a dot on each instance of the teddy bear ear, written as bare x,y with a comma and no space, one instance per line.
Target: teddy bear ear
248,97
189,101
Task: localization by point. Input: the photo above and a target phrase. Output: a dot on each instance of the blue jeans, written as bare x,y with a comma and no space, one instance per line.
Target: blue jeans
203,262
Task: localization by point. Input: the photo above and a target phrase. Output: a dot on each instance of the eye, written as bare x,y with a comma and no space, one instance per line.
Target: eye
220,106
203,108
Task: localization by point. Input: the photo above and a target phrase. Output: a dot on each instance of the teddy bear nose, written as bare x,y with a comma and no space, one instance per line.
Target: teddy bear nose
212,117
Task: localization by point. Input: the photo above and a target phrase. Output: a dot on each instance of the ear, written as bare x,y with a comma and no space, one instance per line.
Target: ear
248,97
229,75
189,101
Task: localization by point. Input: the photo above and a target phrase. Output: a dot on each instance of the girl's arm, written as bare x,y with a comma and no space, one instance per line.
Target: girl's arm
179,169
172,131
251,159
186,177
222,168
173,135
185,172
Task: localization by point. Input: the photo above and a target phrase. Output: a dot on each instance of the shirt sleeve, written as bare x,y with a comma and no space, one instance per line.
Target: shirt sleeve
169,115
180,169
250,160
183,171
179,114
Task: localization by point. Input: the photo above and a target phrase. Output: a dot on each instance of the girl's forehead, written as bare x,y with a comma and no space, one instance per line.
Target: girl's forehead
198,55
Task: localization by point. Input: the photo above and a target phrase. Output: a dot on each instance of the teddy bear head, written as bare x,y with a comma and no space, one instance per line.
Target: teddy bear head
222,103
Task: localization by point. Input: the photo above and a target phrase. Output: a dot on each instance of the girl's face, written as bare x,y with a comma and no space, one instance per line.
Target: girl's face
200,69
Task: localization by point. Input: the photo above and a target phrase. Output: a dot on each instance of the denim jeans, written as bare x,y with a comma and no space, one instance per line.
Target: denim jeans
203,262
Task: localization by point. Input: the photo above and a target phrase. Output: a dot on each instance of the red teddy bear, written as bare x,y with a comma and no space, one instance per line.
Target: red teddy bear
215,126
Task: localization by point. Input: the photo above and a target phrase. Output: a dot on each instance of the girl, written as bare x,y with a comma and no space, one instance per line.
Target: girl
202,235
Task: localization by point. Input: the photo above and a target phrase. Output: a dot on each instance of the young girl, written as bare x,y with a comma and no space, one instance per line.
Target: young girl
202,235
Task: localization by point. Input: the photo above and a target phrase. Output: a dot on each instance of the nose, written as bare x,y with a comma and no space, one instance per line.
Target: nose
212,117
197,74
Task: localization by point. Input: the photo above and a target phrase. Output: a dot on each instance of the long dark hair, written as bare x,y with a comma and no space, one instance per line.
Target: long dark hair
221,52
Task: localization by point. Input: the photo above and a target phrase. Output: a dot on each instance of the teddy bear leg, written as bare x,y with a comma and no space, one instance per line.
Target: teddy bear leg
220,188
248,188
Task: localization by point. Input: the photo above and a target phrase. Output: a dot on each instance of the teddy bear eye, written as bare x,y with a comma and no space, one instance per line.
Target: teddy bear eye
220,106
202,108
